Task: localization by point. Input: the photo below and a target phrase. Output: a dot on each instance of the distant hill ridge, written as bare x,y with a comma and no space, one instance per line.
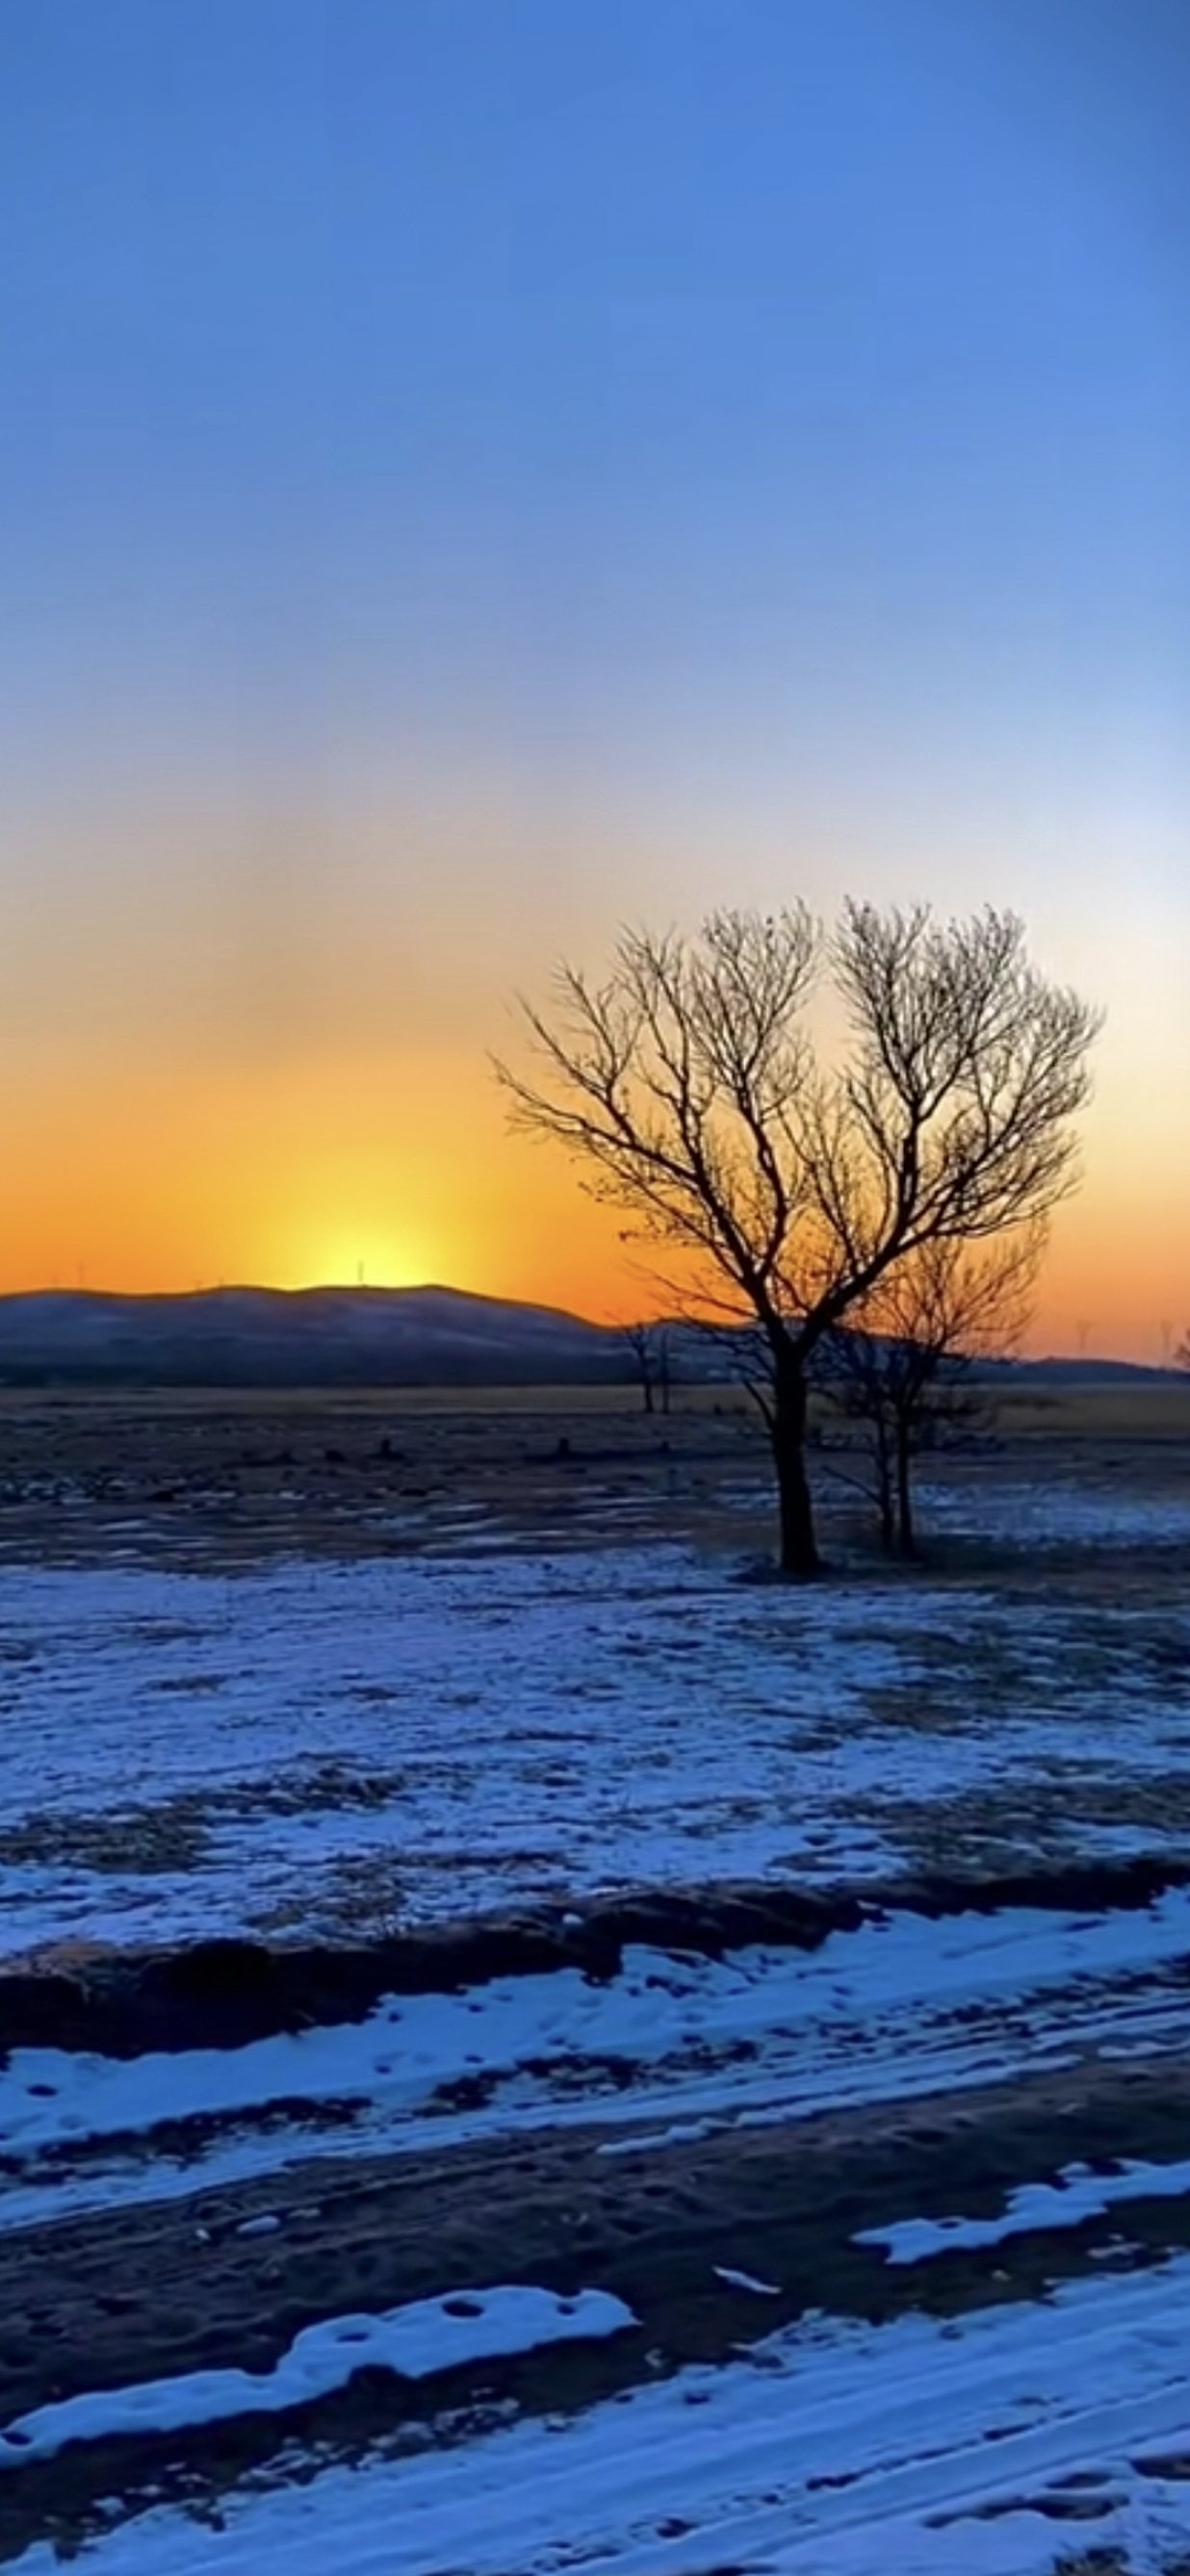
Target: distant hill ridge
428,1336
431,1336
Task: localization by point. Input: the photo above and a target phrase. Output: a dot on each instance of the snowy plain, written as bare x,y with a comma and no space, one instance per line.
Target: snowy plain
347,1746
358,1745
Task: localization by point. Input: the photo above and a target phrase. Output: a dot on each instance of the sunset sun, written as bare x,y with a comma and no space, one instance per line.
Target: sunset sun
362,1257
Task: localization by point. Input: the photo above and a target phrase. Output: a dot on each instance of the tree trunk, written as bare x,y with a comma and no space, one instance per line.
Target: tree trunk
646,1390
884,1493
906,1529
799,1548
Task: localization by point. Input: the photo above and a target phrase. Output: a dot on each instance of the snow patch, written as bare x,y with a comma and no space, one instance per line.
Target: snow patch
414,2342
746,2281
1077,2195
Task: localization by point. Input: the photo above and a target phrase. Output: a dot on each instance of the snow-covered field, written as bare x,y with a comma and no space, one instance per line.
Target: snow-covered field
352,1745
867,2260
1056,1516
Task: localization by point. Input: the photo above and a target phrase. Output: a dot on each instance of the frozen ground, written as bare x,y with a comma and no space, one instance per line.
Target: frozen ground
919,2449
354,1745
1041,1514
671,2049
871,2261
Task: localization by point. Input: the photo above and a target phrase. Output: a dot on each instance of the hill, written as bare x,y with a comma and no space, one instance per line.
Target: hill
433,1336
300,1337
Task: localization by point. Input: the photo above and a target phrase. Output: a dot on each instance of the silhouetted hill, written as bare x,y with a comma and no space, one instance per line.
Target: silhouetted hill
1085,1372
357,1337
300,1337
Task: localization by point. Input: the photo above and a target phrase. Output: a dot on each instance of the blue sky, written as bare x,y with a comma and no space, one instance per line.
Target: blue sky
472,470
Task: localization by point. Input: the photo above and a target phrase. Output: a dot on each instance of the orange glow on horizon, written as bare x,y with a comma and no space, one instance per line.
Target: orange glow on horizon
295,1178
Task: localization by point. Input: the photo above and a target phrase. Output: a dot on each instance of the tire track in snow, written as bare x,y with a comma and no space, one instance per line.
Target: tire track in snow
825,2451
899,2009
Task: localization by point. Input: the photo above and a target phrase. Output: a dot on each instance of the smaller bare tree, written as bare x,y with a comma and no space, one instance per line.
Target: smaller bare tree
649,1345
902,1370
667,1366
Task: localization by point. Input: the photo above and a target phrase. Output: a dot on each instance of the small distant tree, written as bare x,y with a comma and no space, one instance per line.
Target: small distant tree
687,1086
902,1369
667,1366
645,1353
652,1348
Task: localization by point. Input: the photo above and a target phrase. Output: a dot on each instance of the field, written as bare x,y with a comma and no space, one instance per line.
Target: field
530,2047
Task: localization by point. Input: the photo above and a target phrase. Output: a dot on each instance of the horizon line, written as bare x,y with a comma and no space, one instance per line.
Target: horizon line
1165,1366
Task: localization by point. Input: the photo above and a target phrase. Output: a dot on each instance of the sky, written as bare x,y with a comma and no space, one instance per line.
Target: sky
476,471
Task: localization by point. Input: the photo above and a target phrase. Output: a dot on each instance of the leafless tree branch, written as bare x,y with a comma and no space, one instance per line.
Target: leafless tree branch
687,1087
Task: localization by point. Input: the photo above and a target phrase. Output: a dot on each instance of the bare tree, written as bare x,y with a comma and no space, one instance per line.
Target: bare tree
646,1344
901,1366
688,1087
667,1366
